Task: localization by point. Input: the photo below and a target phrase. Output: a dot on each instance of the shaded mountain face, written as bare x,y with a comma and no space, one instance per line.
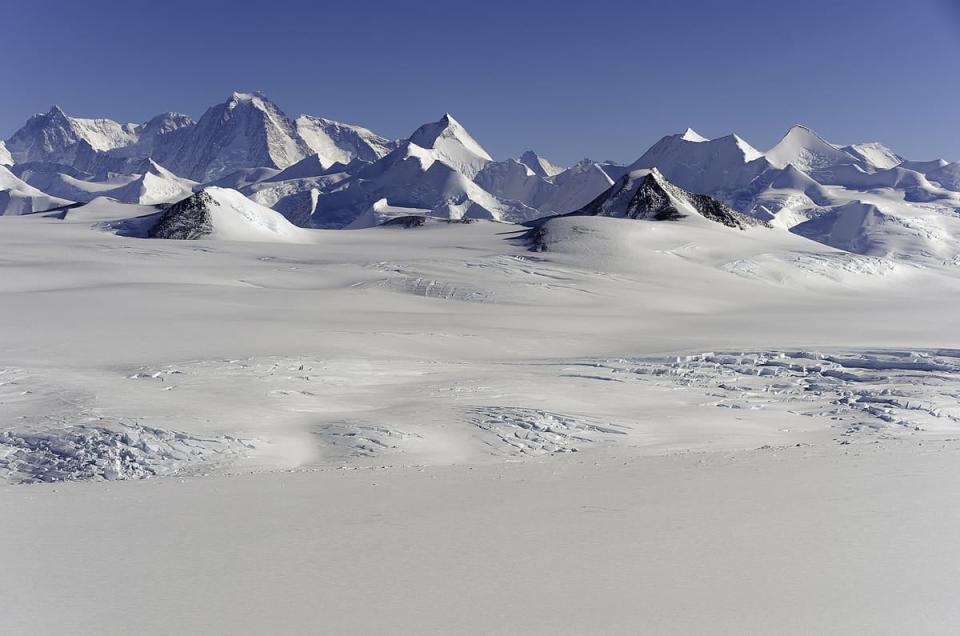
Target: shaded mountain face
647,194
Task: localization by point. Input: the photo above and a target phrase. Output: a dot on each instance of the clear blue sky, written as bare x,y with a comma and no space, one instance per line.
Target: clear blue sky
569,79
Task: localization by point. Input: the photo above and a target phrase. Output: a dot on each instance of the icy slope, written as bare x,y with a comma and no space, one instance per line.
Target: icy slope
947,176
19,197
874,154
219,213
335,142
918,235
6,159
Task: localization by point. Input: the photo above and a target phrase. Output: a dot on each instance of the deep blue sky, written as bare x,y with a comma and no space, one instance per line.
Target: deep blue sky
567,78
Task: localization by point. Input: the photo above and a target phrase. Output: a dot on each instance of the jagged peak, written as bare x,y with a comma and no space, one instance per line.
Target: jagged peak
237,96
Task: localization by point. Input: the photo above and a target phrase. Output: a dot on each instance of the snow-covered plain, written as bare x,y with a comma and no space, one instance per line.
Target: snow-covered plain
671,426
263,373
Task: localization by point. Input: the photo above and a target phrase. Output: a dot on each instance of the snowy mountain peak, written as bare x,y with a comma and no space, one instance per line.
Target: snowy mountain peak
453,145
247,130
716,165
808,151
55,112
692,135
166,122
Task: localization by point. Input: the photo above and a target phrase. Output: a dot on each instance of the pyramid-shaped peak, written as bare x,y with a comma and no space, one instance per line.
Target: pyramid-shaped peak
56,111
453,142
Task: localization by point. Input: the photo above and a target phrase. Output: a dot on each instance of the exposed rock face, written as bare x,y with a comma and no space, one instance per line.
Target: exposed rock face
186,220
405,222
648,195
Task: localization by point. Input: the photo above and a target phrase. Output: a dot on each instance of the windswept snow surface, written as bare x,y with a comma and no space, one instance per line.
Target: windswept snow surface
654,414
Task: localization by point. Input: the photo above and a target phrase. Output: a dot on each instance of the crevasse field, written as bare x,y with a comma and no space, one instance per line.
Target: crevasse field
643,427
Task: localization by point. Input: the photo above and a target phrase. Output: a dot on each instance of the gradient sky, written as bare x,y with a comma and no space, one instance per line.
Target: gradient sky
569,79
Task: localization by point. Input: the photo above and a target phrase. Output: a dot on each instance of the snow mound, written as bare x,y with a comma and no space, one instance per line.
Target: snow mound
97,452
19,197
219,213
864,228
155,185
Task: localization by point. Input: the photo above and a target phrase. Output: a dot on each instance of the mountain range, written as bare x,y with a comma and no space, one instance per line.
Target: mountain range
320,173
